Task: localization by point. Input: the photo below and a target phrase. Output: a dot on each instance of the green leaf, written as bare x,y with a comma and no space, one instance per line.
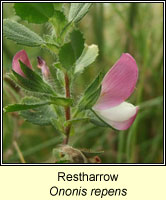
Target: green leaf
25,83
91,94
34,12
32,82
30,74
21,34
58,21
87,57
58,6
18,107
78,11
66,56
30,105
77,41
39,116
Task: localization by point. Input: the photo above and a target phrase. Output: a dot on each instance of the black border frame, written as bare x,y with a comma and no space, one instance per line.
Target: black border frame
104,164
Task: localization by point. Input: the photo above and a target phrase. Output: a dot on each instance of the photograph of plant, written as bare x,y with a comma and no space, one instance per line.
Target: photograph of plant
82,83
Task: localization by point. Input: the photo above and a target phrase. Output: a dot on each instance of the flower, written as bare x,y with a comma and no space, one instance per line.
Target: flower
22,56
44,68
117,85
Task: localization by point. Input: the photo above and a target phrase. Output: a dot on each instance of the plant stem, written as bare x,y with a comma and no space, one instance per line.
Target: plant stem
67,108
19,152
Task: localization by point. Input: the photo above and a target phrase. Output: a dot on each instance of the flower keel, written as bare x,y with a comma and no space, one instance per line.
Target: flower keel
119,117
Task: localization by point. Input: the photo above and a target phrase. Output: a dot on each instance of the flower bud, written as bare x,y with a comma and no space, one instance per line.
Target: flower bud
44,68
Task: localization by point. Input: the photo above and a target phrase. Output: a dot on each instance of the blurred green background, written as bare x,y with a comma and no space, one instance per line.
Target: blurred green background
136,28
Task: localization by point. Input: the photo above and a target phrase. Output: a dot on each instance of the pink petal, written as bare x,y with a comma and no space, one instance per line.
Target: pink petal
118,83
43,66
21,55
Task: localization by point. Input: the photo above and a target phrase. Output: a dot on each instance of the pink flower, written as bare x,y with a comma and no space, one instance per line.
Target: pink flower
21,55
44,68
117,85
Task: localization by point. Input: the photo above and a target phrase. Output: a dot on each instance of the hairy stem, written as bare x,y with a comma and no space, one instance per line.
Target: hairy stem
67,108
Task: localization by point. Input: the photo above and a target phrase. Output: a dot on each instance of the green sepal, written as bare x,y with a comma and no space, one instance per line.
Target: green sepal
89,101
94,85
91,94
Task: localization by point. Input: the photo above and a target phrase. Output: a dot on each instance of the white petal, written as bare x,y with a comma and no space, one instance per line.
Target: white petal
120,113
